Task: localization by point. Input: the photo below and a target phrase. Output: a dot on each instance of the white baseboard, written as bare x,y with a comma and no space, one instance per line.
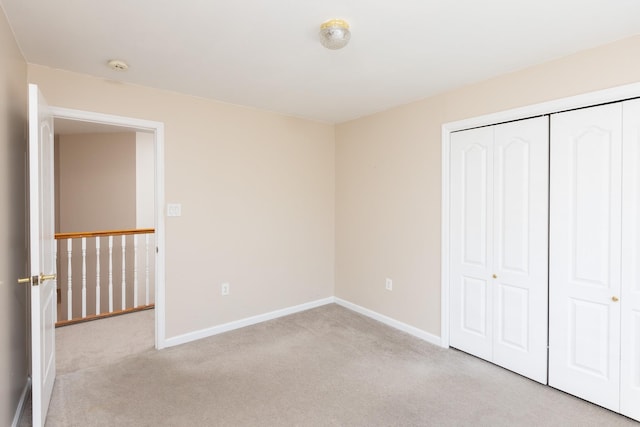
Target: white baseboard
215,330
411,330
23,401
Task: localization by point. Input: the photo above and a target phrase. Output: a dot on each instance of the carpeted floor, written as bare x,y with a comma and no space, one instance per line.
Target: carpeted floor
105,341
323,367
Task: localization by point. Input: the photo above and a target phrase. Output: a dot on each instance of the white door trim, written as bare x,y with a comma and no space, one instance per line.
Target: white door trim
158,129
585,100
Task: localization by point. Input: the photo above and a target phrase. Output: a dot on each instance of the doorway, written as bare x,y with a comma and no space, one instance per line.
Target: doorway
91,122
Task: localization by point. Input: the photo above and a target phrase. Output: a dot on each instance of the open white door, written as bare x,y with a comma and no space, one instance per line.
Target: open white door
42,254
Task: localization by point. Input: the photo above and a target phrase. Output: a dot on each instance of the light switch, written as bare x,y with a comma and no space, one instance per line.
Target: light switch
174,209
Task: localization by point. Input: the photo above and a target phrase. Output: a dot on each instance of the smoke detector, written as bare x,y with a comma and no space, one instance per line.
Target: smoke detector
118,65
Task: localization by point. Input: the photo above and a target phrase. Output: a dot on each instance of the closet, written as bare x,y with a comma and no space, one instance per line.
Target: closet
544,250
498,244
594,272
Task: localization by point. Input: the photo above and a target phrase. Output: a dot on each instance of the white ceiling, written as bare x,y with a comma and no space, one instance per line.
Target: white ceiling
266,54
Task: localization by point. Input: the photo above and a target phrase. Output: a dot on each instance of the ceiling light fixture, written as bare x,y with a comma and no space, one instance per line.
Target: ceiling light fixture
335,34
118,65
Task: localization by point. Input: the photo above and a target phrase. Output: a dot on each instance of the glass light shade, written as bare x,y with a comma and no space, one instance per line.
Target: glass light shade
335,34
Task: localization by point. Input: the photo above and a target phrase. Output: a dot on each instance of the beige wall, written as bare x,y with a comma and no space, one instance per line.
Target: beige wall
388,178
145,180
97,181
257,195
257,190
13,302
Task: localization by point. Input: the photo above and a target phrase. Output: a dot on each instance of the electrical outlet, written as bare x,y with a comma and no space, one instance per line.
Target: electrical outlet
388,284
224,289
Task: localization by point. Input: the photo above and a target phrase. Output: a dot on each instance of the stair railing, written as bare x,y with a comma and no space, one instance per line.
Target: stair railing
81,294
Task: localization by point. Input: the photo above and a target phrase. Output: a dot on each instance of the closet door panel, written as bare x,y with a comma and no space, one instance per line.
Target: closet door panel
520,246
471,234
630,294
585,241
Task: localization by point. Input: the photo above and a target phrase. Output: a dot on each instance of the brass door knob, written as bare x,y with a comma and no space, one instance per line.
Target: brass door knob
36,280
45,277
495,276
615,298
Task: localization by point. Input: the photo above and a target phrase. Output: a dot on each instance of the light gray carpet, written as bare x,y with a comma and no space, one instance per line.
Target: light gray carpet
104,341
324,367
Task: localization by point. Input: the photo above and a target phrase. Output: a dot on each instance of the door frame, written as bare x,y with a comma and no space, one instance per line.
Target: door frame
589,99
158,130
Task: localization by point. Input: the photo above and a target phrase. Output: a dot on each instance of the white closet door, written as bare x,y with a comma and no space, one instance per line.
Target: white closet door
585,242
520,246
471,234
499,229
630,295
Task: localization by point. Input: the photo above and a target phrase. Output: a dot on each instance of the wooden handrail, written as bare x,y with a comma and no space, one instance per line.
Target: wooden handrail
80,234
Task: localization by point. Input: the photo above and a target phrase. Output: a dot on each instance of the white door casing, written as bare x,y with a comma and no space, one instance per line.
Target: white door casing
42,254
630,293
158,130
498,251
585,242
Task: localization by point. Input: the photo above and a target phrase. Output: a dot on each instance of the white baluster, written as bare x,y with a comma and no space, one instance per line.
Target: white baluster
110,274
146,271
124,272
135,270
98,275
84,277
69,280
